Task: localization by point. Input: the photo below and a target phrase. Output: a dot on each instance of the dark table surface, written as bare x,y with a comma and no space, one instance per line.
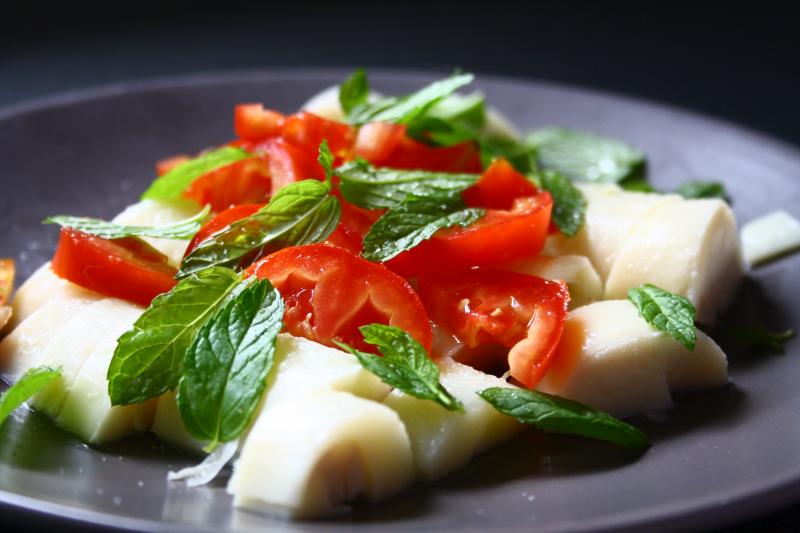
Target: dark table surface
738,62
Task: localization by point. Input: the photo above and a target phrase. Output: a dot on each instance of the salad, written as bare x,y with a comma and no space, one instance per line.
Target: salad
375,289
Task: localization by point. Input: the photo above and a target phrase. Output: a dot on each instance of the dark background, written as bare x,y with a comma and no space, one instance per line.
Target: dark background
736,61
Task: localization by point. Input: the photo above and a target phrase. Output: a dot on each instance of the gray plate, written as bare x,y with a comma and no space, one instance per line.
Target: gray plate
716,457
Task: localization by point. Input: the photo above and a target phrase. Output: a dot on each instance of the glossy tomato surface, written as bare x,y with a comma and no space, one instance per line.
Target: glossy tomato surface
254,123
498,187
220,222
243,182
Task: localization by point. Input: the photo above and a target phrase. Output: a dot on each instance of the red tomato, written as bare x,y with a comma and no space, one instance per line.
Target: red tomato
329,293
242,182
491,307
497,237
414,155
353,226
127,268
288,164
254,123
165,165
220,222
306,131
498,187
377,140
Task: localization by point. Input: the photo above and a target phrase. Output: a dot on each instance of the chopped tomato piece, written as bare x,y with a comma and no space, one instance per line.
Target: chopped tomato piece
414,155
497,237
498,187
242,182
487,307
353,226
254,123
329,293
127,268
288,164
220,222
165,165
377,140
306,131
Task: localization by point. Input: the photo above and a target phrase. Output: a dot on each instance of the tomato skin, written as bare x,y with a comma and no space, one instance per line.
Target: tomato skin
353,226
376,141
252,122
498,187
414,155
497,237
220,222
288,164
165,165
329,293
486,307
242,182
129,268
306,131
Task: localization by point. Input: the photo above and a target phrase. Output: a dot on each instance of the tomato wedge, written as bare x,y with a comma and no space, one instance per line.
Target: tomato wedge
243,182
220,222
353,226
329,293
127,268
414,155
306,131
376,141
254,123
498,187
497,237
487,307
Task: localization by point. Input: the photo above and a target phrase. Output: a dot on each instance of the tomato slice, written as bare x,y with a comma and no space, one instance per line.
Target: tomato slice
220,222
377,140
497,237
498,187
306,131
165,165
353,226
487,307
254,123
414,155
329,293
243,182
127,268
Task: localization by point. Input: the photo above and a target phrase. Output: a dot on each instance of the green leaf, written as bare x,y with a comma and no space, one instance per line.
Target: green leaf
354,91
586,156
667,312
303,212
521,154
760,337
184,229
453,120
325,159
415,220
405,365
26,387
559,415
148,359
173,183
371,188
636,184
569,205
226,368
404,109
703,189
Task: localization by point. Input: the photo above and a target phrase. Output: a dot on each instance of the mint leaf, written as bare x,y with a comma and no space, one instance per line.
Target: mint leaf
586,156
636,184
405,365
148,359
521,154
26,387
404,109
413,221
184,229
559,415
372,188
354,91
453,120
225,371
760,337
703,189
303,212
667,312
173,183
325,159
569,205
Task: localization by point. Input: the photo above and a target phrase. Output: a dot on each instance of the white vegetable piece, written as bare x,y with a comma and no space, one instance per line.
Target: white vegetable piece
311,456
689,248
612,359
443,440
42,287
611,215
769,236
160,213
576,271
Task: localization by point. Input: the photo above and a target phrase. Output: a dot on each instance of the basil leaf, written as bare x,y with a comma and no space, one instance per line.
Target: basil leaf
413,221
404,109
520,153
148,359
325,159
184,229
569,205
26,387
453,120
667,312
405,365
759,337
226,368
354,91
371,188
174,182
559,415
703,189
303,212
586,156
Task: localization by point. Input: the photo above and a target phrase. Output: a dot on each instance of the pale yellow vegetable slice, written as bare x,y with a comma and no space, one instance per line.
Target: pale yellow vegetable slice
42,287
770,236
